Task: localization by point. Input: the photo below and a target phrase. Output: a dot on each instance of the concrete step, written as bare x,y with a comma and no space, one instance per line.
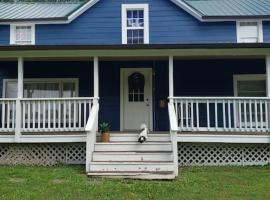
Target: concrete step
133,146
132,156
134,167
131,137
135,175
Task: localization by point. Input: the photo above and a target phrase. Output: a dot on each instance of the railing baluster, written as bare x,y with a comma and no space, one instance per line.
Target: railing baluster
64,125
208,115
229,114
266,116
28,114
59,114
38,115
54,115
250,116
80,115
181,117
216,116
256,115
13,115
8,115
192,117
261,115
44,115
197,115
234,115
187,116
3,114
224,114
245,114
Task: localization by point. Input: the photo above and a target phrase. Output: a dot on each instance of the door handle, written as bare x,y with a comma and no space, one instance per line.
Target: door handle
147,102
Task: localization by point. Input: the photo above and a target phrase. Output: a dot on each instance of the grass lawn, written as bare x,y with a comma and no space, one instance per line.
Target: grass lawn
69,182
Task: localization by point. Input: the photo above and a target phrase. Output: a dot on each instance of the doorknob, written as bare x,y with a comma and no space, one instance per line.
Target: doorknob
147,102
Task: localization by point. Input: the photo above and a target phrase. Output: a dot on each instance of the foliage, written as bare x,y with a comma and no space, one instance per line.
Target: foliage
104,127
66,182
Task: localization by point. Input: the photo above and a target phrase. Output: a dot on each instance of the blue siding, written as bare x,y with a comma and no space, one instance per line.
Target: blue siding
266,32
4,35
169,24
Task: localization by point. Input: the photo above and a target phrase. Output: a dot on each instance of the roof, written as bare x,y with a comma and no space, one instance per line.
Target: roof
57,11
42,11
226,9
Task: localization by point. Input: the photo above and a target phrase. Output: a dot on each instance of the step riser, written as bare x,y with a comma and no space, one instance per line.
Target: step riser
135,139
131,157
132,147
134,168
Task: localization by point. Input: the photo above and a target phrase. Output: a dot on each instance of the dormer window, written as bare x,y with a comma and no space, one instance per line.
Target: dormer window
22,34
135,24
249,32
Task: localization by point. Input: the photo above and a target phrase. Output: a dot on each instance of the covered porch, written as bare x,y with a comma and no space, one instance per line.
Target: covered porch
203,91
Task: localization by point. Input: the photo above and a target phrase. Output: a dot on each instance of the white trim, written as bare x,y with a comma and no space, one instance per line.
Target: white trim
47,80
245,77
171,77
72,138
217,138
260,29
122,73
145,8
13,33
81,10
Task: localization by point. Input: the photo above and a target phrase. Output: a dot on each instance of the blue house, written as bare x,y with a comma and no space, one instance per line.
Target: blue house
193,74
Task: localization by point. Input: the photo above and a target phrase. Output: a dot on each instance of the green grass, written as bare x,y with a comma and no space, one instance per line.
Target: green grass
67,182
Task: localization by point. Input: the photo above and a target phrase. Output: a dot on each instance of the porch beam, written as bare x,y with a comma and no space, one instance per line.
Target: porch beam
18,101
171,81
267,61
96,78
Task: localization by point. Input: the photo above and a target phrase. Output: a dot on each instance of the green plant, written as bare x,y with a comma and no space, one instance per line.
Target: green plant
104,127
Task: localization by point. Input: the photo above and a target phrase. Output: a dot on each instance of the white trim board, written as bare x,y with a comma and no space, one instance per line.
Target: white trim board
44,138
217,138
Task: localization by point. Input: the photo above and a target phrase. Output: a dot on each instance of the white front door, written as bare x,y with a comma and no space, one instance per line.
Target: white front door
136,86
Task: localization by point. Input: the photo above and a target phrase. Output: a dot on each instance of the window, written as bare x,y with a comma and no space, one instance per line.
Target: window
249,31
22,34
250,85
135,24
136,84
42,88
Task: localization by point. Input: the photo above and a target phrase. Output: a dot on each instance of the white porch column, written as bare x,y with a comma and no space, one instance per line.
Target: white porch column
18,101
267,60
96,79
171,87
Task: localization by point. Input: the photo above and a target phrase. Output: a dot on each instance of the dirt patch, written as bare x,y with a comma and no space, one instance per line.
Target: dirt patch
17,180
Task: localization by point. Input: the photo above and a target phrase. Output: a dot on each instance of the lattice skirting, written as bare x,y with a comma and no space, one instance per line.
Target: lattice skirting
42,154
209,154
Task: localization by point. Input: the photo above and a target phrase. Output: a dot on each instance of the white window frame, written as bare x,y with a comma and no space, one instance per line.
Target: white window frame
260,30
43,80
246,77
145,8
13,33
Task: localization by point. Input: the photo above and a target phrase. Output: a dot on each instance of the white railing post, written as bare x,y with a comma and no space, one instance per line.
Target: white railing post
171,81
96,79
18,101
267,61
173,133
91,130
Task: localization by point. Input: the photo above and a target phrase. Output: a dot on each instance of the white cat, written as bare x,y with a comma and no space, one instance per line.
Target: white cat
144,133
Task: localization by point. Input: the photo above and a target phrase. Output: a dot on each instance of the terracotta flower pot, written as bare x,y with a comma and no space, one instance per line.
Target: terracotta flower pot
105,137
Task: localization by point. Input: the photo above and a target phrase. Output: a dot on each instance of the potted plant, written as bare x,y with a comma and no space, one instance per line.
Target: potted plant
104,130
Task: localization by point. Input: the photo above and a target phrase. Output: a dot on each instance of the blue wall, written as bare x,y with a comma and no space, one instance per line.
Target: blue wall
192,78
169,24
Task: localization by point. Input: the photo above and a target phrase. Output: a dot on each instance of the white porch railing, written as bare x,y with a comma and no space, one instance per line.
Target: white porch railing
45,114
231,114
8,109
